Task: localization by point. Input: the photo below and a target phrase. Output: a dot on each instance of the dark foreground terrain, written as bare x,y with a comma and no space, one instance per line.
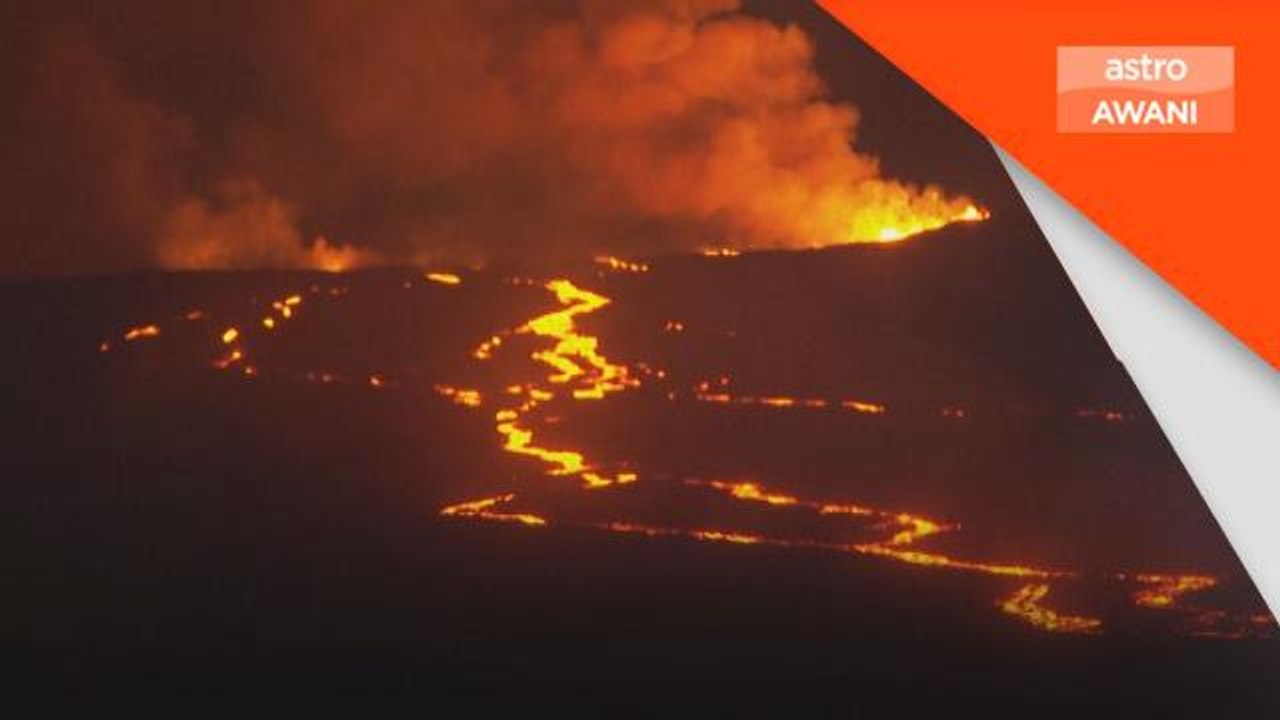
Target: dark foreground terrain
282,512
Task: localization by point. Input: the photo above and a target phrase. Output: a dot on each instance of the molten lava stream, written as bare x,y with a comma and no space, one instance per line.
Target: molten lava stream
579,372
1026,605
485,509
572,369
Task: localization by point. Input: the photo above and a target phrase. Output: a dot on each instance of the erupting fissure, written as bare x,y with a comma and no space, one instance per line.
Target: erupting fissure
876,225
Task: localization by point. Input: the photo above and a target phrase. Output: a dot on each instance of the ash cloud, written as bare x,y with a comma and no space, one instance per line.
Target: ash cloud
243,134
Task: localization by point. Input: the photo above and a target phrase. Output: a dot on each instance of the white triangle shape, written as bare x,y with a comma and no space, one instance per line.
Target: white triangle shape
1218,402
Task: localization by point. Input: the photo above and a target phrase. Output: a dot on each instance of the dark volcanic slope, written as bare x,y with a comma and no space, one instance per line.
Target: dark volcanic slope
171,514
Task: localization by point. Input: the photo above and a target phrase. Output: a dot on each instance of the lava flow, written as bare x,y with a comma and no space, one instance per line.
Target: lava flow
484,508
579,369
1164,590
574,370
705,392
560,366
1025,604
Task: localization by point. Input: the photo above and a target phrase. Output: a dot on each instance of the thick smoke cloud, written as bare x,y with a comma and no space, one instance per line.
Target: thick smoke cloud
240,134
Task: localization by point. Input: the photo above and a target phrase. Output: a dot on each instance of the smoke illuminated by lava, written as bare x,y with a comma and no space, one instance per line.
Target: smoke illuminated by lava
248,228
411,132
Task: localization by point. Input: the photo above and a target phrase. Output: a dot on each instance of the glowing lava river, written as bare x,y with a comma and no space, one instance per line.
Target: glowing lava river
575,370
532,378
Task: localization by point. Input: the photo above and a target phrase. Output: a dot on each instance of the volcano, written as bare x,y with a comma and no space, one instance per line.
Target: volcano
913,463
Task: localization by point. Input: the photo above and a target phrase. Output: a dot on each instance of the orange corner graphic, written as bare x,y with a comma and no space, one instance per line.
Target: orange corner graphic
1199,207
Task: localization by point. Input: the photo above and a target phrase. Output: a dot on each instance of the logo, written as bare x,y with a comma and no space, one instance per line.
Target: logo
1154,89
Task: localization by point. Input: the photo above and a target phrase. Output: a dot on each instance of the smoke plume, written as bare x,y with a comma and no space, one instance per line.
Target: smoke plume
242,134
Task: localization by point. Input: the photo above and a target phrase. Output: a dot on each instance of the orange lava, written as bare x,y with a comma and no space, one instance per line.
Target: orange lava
568,367
461,396
704,392
754,493
138,333
575,363
484,508
1166,589
891,224
1025,604
576,370
443,278
620,265
906,530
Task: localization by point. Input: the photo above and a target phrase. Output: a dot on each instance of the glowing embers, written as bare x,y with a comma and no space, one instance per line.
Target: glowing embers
133,334
485,509
141,333
461,396
719,252
869,408
1167,593
620,265
287,306
729,537
1163,591
485,350
282,310
443,278
1025,604
718,393
704,535
1104,415
1222,625
230,339
234,357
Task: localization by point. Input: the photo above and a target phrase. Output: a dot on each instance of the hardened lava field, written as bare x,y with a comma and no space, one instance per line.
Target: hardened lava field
505,451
